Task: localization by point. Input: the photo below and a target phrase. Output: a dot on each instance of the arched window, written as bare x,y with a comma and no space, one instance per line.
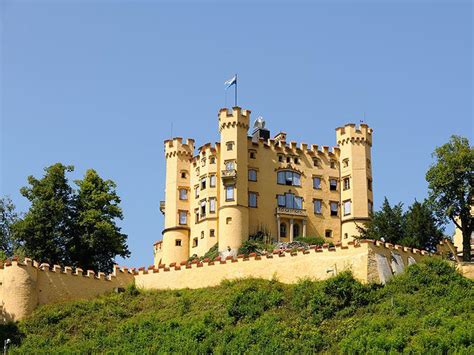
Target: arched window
283,230
288,177
296,230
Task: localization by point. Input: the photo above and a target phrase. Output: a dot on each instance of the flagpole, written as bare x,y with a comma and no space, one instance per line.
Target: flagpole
236,89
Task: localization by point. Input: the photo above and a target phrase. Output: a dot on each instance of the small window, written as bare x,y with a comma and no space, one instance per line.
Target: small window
212,181
212,233
280,158
228,220
347,208
281,200
203,183
369,184
196,214
252,155
334,208
332,164
346,235
347,183
183,175
296,160
288,159
203,208
317,162
196,191
252,199
183,194
197,171
252,175
345,163
328,233
195,242
202,234
333,184
318,204
316,183
283,230
229,165
212,205
203,162
230,145
177,242
212,160
229,193
183,217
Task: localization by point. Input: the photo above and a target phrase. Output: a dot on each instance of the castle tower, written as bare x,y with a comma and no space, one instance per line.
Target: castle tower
355,145
233,226
178,155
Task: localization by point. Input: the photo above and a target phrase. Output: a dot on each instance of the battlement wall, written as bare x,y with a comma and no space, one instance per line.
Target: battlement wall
351,132
28,284
369,261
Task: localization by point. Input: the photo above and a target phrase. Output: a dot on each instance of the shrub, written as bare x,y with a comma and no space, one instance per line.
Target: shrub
312,240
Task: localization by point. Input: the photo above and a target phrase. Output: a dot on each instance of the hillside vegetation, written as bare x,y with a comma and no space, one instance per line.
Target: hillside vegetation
428,309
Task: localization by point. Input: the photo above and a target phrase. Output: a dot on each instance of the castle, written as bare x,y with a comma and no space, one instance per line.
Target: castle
248,184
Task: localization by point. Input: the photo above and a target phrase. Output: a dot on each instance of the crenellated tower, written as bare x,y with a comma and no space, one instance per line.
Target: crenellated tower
233,226
177,212
355,161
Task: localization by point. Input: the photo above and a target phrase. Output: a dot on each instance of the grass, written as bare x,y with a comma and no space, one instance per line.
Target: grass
428,309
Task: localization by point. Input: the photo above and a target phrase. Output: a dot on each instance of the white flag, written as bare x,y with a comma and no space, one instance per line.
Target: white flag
231,82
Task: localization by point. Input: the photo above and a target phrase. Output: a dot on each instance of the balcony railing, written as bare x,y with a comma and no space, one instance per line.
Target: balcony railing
291,211
228,174
162,206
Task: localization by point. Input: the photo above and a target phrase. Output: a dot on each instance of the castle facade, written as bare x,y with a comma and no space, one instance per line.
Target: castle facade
246,184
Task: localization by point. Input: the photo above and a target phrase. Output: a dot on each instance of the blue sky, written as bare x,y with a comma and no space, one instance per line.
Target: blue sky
98,84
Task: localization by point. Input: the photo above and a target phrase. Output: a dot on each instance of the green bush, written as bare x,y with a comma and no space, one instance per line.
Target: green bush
311,240
251,246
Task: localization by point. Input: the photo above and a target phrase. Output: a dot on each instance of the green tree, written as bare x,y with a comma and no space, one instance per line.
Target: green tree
97,239
422,229
8,217
45,231
386,224
451,183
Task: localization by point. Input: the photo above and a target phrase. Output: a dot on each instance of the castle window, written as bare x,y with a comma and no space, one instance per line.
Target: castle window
183,175
230,145
347,207
177,242
283,230
333,184
346,235
345,163
252,199
212,233
212,160
183,217
297,160
252,155
317,162
195,242
229,193
317,204
203,162
202,234
212,181
212,205
334,208
196,214
229,165
280,158
328,233
228,220
369,184
252,175
289,200
203,183
347,183
316,182
203,208
183,194
332,164
196,191
287,177
288,159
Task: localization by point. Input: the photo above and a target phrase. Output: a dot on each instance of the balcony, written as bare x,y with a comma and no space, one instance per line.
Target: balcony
291,212
228,175
162,207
